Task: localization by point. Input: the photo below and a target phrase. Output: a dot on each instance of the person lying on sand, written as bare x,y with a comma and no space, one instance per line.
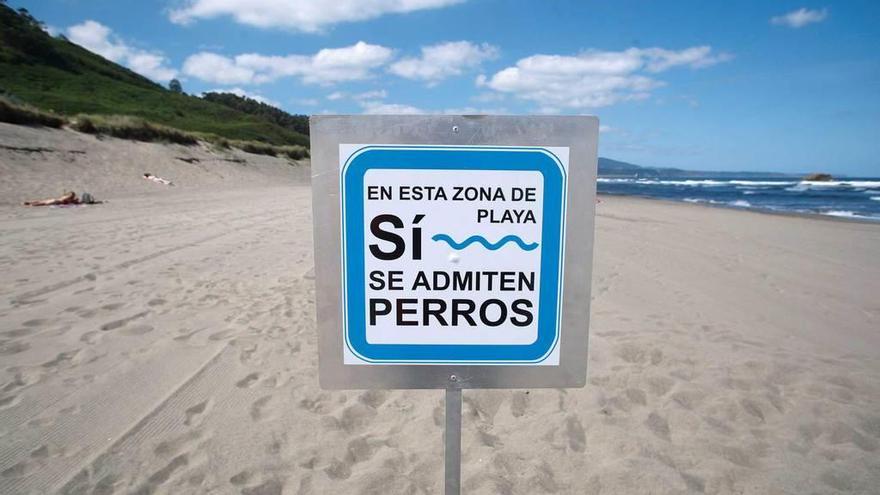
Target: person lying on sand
158,180
66,199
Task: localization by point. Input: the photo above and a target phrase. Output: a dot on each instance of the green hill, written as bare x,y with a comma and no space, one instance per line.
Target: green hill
297,123
55,74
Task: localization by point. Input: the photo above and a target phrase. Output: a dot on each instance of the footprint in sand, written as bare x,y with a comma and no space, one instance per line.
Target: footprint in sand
27,466
658,425
62,358
519,403
338,470
137,330
636,396
843,433
241,478
269,487
17,470
738,456
248,381
574,430
837,481
113,325
158,478
317,405
753,408
373,398
356,417
195,413
14,334
173,446
488,439
694,483
258,408
9,401
13,347
361,449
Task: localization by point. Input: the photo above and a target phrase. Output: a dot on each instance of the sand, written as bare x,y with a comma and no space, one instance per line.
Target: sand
37,163
165,342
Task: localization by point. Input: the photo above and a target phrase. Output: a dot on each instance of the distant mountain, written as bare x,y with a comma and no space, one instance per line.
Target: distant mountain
615,168
55,74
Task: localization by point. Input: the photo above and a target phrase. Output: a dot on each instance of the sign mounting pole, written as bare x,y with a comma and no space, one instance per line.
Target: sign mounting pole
452,444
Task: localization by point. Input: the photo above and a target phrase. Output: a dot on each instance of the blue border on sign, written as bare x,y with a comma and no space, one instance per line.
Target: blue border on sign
452,158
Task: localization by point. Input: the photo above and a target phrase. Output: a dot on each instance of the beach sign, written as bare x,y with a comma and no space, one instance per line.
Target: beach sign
452,254
453,246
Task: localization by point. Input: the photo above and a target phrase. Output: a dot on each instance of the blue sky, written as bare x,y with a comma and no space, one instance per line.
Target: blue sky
784,86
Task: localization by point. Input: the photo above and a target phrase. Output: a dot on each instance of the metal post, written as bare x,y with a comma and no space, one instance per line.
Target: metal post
453,439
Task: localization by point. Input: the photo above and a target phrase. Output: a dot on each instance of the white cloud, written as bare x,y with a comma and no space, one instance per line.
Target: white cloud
246,94
151,65
594,79
488,97
336,95
302,15
217,68
443,60
330,65
378,107
800,18
100,39
605,128
697,57
95,37
475,111
377,94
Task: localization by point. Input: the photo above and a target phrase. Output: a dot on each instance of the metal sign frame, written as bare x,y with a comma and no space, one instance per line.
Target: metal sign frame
578,133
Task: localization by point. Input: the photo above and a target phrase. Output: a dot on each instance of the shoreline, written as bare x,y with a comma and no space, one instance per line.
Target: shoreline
750,209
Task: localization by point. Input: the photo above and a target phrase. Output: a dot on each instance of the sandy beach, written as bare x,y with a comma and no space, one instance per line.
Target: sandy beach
165,342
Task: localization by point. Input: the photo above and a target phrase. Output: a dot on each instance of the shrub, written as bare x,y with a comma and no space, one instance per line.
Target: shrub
22,114
256,147
214,140
139,129
136,128
293,152
83,123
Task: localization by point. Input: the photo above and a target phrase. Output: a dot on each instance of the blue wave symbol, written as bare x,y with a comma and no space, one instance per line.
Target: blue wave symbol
486,244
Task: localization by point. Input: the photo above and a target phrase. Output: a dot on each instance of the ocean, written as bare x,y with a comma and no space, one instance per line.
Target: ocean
850,198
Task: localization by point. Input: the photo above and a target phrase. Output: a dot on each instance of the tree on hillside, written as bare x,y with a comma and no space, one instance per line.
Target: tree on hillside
175,86
31,20
298,123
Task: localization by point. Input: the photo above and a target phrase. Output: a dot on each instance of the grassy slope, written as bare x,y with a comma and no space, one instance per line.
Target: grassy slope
57,75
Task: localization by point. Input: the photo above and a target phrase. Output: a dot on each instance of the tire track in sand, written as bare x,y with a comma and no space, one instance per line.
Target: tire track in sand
25,298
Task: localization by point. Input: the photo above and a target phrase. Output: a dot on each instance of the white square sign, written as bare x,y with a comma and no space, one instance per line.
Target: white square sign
452,254
453,251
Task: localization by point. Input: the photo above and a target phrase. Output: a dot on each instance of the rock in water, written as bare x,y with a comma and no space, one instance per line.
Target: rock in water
819,177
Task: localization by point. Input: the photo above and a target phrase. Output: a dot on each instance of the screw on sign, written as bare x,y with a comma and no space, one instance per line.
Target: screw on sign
448,259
